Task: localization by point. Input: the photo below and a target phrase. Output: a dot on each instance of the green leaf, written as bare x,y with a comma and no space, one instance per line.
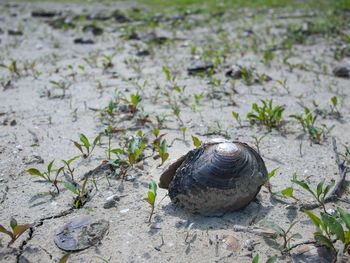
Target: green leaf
153,187
196,141
328,187
155,132
345,217
85,141
296,236
317,221
334,226
272,260
167,73
13,223
291,226
5,231
164,147
148,200
78,146
50,166
20,229
83,187
71,160
159,149
256,259
287,192
151,196
324,241
304,185
70,187
95,141
272,173
116,151
273,226
64,258
320,188
165,157
347,237
34,171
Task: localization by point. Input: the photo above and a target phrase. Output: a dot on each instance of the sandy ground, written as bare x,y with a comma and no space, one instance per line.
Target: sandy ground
40,120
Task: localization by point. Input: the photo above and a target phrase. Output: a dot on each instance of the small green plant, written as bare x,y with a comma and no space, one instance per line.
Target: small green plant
346,154
198,97
176,110
133,103
283,84
183,129
237,117
320,193
162,150
69,168
80,198
196,141
308,123
86,144
328,225
151,197
271,174
267,114
162,238
134,150
333,106
257,141
285,247
46,176
17,230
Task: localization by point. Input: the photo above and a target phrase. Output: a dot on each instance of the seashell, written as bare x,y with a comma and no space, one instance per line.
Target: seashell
218,177
230,243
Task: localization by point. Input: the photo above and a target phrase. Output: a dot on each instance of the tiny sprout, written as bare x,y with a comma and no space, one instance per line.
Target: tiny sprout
183,129
46,175
257,141
196,141
162,238
86,144
80,198
17,230
162,150
152,194
271,174
67,163
237,117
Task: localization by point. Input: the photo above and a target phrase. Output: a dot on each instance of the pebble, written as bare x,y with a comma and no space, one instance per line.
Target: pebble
330,211
124,211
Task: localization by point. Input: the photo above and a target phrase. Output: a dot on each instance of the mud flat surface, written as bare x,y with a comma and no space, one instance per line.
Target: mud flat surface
120,70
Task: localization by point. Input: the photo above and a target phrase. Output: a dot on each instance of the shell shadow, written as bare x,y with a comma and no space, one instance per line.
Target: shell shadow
247,216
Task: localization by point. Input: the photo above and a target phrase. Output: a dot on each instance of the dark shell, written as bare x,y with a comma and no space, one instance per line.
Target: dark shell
218,177
80,233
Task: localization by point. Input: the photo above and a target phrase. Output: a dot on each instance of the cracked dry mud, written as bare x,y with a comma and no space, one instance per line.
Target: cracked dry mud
68,91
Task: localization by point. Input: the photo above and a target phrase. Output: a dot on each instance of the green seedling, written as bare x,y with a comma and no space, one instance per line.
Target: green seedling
346,154
46,175
247,75
162,238
107,62
266,115
288,192
257,141
271,174
167,74
283,84
268,56
151,197
12,68
158,137
81,196
183,129
63,85
133,103
198,97
320,193
333,106
285,247
270,260
237,117
86,144
328,225
176,111
69,168
188,232
196,141
65,258
162,150
134,150
17,230
308,123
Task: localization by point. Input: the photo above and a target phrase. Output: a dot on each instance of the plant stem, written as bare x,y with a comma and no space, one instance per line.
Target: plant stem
150,216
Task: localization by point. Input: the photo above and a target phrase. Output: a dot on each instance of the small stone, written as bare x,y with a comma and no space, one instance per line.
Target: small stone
155,226
93,30
330,211
311,254
43,13
342,71
124,211
13,123
15,32
199,66
83,40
